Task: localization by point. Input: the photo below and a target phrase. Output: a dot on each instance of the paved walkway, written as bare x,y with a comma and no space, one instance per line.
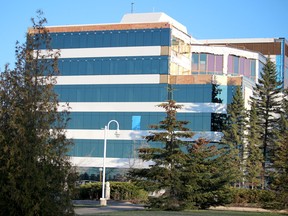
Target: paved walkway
93,206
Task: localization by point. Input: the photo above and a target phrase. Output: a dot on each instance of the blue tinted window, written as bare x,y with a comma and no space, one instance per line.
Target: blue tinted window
196,93
236,65
94,148
112,93
129,120
120,38
253,67
115,65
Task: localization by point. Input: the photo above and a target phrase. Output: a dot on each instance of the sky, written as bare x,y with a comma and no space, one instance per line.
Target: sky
204,19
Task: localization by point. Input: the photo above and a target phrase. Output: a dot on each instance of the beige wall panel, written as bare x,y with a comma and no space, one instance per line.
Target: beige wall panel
165,50
191,79
104,27
234,81
164,78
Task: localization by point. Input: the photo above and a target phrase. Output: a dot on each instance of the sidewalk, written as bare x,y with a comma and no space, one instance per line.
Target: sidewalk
93,206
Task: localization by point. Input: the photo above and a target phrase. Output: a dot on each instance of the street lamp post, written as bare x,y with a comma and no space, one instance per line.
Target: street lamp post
100,174
103,201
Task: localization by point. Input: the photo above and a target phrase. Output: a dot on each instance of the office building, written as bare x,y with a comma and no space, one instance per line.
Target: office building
274,48
122,71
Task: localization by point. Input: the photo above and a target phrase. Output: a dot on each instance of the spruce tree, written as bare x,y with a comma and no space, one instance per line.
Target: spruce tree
207,175
233,134
254,152
217,119
280,157
168,159
36,177
266,95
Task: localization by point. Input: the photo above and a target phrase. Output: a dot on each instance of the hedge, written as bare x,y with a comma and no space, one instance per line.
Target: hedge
118,191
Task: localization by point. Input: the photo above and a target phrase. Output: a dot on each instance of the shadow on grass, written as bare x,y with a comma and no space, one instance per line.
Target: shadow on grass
192,213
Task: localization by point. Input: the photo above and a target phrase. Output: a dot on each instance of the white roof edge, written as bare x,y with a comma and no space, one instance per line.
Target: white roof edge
152,18
238,40
79,25
229,50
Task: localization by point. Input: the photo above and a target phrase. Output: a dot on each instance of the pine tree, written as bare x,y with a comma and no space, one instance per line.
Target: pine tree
234,132
168,157
207,175
217,119
36,177
254,153
280,158
266,96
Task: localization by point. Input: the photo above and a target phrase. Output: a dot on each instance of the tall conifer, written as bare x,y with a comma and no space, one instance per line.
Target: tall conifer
266,96
234,132
254,153
168,157
280,157
207,175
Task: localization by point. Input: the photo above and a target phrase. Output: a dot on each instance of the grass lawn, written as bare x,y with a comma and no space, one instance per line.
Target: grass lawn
192,213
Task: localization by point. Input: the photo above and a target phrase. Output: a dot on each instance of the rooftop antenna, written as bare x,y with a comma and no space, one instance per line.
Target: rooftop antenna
132,7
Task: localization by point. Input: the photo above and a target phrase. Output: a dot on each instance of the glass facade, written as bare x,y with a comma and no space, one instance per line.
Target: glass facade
113,65
115,148
204,63
110,38
196,93
242,66
185,93
97,120
112,93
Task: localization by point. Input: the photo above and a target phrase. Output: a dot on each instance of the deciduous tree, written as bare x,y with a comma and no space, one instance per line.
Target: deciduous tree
36,176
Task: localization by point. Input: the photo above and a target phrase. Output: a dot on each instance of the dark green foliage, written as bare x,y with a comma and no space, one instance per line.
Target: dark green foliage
234,133
166,172
254,153
119,191
194,176
251,198
267,100
207,175
218,120
35,175
280,159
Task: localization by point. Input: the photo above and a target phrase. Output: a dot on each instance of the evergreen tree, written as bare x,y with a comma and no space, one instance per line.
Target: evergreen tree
266,96
35,175
254,153
233,134
207,175
168,157
217,119
280,158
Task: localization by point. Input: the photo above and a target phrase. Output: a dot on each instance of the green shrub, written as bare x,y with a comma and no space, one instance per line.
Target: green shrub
256,197
118,191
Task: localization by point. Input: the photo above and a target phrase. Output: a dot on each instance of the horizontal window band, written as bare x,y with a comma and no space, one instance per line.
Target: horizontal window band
109,162
127,137
142,107
108,79
112,65
109,52
109,38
